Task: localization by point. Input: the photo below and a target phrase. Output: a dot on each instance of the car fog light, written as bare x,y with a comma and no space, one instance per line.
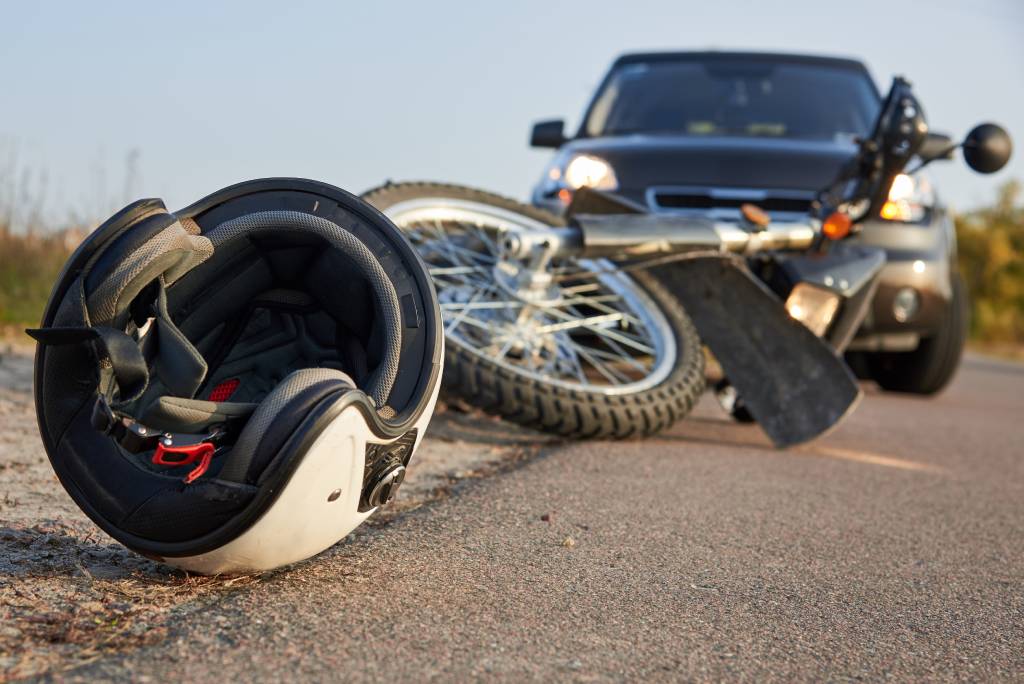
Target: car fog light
813,306
905,304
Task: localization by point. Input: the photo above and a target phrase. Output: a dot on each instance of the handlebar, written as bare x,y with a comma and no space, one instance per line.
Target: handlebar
647,234
636,235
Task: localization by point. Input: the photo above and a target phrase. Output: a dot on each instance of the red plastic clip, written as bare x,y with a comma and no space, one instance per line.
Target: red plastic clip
202,452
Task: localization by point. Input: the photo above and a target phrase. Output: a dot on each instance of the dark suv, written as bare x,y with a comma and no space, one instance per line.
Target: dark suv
705,132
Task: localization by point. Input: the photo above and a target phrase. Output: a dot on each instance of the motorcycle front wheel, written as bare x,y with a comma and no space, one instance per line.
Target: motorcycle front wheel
601,354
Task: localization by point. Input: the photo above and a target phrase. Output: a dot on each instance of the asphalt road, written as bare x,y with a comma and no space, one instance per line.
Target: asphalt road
894,548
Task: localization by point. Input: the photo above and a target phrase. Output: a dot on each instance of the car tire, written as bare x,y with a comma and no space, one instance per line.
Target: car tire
929,368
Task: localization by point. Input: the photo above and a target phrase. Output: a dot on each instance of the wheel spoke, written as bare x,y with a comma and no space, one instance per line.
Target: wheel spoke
459,306
594,301
601,303
588,329
579,323
607,371
481,233
464,315
618,357
456,270
505,349
584,287
565,343
605,332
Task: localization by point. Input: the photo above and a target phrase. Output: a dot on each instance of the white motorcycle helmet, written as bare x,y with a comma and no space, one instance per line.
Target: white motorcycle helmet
236,386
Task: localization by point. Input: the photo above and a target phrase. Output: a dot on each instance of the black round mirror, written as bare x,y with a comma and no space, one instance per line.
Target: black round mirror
987,148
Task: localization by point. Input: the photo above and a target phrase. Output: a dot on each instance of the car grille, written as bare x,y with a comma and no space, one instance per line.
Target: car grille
726,202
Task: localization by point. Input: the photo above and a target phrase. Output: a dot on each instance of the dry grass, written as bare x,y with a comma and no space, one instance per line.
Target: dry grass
29,265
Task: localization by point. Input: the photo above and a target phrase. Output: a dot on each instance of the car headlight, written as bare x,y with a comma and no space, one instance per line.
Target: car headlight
909,199
585,170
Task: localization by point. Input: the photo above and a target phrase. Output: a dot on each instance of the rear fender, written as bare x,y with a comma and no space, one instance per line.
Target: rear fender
792,382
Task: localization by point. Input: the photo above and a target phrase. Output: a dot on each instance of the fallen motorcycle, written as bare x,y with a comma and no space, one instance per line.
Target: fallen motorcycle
593,324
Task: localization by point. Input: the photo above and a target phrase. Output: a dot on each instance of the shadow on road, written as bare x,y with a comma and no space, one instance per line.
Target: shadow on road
463,424
68,598
815,449
53,548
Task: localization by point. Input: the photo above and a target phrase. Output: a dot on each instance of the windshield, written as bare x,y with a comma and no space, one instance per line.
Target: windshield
735,98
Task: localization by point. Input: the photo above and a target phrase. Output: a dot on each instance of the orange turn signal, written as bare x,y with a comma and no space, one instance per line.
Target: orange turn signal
837,226
755,215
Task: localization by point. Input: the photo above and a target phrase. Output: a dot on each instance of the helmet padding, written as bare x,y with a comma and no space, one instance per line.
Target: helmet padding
281,410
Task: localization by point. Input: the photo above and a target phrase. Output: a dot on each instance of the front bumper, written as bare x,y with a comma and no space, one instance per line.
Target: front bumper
920,257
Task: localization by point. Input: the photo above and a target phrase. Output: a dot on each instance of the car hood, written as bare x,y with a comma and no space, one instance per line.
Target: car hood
642,161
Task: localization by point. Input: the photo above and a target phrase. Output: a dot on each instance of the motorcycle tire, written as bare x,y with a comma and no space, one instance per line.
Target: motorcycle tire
509,386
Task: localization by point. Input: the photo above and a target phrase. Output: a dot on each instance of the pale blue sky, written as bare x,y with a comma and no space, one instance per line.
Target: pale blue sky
213,93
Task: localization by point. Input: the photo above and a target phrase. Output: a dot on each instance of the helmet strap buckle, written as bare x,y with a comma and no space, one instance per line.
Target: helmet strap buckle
171,450
127,432
200,453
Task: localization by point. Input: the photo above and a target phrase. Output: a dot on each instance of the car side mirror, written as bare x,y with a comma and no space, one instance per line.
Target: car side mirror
549,133
987,148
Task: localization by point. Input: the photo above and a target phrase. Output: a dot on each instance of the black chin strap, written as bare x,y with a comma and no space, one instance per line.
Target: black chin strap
124,375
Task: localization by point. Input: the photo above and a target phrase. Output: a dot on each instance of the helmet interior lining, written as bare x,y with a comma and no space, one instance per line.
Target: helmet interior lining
287,304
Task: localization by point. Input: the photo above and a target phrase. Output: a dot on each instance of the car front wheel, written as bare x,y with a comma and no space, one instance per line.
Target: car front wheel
930,367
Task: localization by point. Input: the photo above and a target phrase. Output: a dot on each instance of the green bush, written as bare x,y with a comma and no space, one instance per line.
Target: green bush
991,253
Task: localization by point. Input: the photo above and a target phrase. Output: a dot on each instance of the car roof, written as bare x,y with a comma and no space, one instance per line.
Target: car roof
714,55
